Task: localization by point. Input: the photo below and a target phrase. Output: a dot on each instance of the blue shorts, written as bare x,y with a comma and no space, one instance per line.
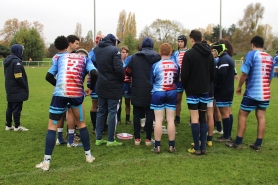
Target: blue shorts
223,103
180,87
164,99
127,90
93,94
59,105
198,101
210,102
248,104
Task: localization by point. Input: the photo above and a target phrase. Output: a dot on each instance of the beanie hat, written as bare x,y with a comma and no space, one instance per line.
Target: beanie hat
147,43
112,38
17,49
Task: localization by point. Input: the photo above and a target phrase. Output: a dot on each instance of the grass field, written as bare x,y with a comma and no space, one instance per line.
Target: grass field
129,164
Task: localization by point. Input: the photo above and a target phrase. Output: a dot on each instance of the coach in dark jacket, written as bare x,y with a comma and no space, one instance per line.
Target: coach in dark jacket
109,87
139,68
16,84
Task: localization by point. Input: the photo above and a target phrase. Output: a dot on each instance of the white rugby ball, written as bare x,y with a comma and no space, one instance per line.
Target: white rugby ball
124,136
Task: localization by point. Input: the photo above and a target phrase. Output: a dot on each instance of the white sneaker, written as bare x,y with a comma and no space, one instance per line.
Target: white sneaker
9,128
90,159
21,128
60,142
137,142
217,132
43,165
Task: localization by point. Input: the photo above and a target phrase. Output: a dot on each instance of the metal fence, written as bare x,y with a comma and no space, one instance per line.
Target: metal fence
33,63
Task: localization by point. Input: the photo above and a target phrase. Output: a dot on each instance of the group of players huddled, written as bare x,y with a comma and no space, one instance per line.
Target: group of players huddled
154,84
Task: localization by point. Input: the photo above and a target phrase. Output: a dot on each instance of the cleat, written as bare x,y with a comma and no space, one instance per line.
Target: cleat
128,123
193,151
9,128
233,145
222,139
43,165
90,159
203,151
20,128
100,142
209,143
172,149
255,147
74,145
156,149
114,143
63,142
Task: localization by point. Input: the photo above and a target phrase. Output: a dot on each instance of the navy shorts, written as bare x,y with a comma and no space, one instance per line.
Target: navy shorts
223,103
127,90
248,104
180,87
164,99
93,94
198,101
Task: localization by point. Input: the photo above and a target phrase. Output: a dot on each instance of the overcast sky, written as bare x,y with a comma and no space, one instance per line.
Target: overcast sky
60,18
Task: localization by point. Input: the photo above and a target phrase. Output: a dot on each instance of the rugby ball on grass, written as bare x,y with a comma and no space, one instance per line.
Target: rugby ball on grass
124,136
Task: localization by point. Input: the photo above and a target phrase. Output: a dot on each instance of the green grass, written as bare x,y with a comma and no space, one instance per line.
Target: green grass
129,164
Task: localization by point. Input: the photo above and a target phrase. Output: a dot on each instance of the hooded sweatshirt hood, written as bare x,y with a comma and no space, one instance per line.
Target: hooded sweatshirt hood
17,49
203,48
148,52
110,39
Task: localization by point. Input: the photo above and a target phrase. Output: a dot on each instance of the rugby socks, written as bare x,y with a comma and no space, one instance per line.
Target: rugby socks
231,124
209,138
93,116
71,136
172,143
238,140
60,134
203,134
156,143
177,118
47,158
258,142
85,138
226,127
195,128
218,126
127,117
49,142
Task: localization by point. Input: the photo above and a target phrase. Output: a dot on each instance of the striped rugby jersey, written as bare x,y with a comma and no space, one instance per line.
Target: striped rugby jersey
70,70
259,67
164,75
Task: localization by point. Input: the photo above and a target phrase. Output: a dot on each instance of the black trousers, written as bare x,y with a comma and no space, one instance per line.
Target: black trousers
137,114
13,110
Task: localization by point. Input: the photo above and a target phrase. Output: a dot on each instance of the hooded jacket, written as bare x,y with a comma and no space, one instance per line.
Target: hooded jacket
197,71
16,82
110,69
139,68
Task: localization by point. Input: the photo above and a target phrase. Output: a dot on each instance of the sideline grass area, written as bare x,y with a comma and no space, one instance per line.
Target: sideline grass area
129,164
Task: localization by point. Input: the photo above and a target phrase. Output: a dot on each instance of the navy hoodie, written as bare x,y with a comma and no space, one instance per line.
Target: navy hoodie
139,68
16,82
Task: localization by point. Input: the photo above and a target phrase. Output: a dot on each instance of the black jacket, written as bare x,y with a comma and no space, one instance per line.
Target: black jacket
139,68
224,81
110,70
197,71
16,88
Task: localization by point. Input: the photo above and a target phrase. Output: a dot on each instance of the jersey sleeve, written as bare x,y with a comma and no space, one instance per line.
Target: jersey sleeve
247,64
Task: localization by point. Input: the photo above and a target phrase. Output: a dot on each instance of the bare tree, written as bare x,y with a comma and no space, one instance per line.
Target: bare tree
121,25
78,30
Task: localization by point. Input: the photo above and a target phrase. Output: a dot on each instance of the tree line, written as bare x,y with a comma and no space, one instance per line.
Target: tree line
31,34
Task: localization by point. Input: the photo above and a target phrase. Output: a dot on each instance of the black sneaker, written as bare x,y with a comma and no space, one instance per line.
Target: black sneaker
233,145
203,151
255,147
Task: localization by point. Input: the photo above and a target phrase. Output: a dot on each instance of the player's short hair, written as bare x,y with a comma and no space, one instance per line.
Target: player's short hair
196,35
72,38
257,41
61,42
165,49
125,48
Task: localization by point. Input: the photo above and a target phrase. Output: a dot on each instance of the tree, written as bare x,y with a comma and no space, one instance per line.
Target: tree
33,43
11,26
130,25
121,25
51,51
87,42
78,30
131,43
4,51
